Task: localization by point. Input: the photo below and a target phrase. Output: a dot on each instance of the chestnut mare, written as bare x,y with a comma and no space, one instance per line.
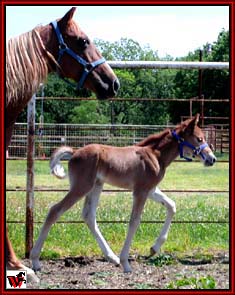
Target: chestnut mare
139,168
61,47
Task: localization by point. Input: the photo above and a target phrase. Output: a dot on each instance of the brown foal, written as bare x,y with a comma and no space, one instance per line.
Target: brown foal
139,168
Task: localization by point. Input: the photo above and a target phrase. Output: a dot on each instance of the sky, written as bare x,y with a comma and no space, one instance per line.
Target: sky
170,30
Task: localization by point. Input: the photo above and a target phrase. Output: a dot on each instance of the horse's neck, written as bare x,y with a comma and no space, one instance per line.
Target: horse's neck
50,44
26,68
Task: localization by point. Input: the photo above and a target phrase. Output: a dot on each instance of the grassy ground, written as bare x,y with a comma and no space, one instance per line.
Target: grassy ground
75,239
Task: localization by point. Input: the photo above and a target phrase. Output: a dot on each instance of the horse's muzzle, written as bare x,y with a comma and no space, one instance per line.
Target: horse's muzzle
115,86
109,91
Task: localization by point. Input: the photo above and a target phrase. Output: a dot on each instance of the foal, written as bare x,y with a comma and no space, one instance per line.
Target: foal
139,168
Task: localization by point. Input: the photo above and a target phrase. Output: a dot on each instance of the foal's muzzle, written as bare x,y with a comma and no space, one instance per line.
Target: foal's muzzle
210,159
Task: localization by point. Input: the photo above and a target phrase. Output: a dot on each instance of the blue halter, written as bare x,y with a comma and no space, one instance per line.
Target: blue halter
197,151
63,48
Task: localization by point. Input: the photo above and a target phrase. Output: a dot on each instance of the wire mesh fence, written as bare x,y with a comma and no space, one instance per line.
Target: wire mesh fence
51,136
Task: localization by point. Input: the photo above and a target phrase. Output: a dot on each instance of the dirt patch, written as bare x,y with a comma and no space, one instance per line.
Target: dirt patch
163,272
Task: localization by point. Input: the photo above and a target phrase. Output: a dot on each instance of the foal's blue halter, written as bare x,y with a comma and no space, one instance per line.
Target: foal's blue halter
63,48
197,151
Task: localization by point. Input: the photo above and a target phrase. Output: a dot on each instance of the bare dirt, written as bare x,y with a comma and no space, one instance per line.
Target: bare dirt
164,272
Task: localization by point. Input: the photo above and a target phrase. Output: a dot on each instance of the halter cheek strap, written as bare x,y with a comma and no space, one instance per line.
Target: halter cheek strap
63,48
197,151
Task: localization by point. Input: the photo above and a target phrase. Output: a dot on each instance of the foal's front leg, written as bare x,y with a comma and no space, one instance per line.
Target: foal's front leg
160,197
138,205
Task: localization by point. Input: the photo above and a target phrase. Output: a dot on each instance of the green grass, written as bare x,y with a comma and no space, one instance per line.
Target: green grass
193,283
183,237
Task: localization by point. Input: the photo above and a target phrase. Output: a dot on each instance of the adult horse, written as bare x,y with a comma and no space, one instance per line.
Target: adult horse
139,168
61,47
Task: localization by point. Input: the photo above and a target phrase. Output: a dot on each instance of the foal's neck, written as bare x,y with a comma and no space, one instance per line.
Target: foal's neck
168,148
168,153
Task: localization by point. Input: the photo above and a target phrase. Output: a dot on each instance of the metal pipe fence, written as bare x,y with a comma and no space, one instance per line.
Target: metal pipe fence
52,136
126,194
182,65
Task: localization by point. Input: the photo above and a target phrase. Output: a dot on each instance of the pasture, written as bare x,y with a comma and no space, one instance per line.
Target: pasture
201,222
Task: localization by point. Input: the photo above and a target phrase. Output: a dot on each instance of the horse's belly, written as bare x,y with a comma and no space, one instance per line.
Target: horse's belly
116,180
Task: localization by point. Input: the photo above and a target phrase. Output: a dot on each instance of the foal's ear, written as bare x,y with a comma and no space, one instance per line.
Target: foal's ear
67,17
193,123
197,117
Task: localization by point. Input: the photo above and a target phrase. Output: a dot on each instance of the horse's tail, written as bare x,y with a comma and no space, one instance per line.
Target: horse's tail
64,152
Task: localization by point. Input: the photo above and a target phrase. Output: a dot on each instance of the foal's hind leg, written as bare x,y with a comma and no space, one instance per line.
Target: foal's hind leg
89,216
54,213
160,197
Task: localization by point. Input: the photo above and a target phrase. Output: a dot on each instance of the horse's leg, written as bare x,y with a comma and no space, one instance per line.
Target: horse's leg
89,216
12,261
14,264
159,196
138,205
54,213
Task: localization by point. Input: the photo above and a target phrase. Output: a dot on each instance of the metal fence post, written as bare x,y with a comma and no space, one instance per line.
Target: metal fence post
30,176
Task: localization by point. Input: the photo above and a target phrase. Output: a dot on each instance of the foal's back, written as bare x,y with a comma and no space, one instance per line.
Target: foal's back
125,167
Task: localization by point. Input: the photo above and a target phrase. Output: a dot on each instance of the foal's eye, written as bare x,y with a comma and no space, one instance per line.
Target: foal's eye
199,139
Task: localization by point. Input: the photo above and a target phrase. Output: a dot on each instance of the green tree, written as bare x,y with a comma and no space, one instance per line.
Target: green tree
136,84
88,112
215,83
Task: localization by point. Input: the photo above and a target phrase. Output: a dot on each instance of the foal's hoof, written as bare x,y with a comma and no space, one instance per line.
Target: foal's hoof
152,252
36,266
113,259
127,271
126,267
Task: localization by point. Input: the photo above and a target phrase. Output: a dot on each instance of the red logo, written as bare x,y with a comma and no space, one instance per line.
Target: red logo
16,279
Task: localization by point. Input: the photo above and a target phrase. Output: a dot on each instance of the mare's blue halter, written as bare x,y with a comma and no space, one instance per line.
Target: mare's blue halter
63,48
197,151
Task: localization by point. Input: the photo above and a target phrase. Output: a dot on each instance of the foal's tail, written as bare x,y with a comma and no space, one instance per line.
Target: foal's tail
57,169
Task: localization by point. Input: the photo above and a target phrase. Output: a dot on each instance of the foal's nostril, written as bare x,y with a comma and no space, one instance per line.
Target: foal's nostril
116,86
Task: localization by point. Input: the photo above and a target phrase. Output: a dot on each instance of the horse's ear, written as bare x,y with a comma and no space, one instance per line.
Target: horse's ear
67,17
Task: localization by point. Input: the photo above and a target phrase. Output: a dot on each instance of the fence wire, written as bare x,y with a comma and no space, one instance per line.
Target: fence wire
51,136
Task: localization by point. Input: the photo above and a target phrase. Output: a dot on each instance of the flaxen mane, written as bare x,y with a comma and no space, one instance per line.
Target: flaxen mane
26,66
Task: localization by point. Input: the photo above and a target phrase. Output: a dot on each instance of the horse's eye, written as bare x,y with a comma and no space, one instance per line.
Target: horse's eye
82,43
199,139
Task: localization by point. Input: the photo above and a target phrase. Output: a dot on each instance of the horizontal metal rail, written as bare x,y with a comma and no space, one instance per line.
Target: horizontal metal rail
185,65
137,99
48,189
127,221
47,158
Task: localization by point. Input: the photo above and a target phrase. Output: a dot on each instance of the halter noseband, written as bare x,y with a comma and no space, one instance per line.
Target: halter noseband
63,48
197,151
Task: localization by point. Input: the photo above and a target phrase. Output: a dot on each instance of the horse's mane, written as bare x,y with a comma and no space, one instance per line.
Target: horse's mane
26,65
155,140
